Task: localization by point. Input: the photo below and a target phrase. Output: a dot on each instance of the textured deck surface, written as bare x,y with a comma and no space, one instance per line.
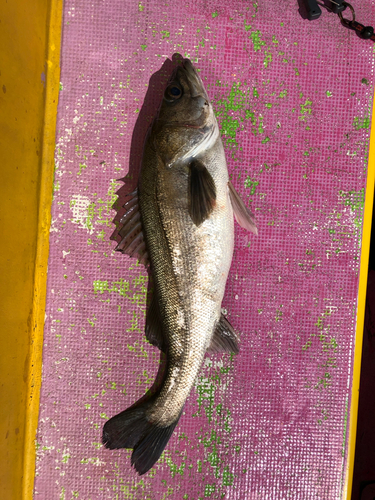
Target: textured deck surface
293,101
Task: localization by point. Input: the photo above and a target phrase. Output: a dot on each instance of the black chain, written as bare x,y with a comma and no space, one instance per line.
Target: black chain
365,32
313,11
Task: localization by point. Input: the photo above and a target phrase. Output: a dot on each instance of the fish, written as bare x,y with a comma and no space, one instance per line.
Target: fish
179,221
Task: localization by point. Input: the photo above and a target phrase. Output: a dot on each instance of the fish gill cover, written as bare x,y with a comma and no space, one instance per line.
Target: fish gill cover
293,101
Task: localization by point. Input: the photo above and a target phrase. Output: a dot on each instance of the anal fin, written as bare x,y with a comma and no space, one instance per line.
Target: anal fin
224,338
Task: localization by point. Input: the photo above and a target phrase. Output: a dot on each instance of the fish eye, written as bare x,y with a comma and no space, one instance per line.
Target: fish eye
173,92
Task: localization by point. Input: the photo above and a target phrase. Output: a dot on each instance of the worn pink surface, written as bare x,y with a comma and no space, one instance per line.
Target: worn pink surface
293,101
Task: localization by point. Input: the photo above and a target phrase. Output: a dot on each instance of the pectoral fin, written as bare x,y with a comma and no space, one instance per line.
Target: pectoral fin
224,338
242,214
132,241
202,192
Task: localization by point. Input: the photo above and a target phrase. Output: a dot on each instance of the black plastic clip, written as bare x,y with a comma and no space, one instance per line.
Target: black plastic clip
335,6
309,9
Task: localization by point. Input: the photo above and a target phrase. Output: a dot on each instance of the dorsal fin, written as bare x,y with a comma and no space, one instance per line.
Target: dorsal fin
132,240
153,330
202,192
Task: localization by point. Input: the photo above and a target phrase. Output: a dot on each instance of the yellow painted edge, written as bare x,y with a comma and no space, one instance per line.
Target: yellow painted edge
41,261
362,289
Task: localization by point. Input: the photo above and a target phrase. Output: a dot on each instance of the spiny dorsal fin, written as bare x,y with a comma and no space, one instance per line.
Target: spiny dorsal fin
242,214
202,192
132,240
224,338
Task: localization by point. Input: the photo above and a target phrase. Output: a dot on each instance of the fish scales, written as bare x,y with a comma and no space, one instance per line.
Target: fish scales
190,270
186,204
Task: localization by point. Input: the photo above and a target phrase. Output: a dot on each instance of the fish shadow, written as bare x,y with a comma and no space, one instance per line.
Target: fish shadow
146,116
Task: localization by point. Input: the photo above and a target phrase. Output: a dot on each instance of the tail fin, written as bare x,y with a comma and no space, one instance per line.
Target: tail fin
131,429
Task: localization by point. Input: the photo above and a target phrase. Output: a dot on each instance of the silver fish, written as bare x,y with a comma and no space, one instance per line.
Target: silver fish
180,221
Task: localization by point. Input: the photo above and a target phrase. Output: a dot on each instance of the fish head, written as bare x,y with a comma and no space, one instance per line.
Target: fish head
186,122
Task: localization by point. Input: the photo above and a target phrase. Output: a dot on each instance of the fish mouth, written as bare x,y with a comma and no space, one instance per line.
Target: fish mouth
186,71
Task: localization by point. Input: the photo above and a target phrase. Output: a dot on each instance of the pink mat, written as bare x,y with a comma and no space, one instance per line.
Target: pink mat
293,101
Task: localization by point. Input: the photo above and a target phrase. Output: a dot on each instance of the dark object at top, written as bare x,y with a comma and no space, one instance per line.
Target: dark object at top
310,9
313,10
335,6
